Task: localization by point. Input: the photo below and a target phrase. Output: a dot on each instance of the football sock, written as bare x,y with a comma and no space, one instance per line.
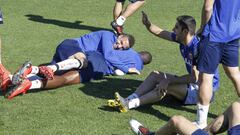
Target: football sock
66,65
35,70
132,96
133,103
54,67
36,84
120,20
202,114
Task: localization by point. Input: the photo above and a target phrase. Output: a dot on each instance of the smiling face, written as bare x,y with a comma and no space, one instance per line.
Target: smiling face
122,43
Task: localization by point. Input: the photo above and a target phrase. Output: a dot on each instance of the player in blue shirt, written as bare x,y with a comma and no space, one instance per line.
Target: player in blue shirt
228,121
70,65
220,44
158,84
102,41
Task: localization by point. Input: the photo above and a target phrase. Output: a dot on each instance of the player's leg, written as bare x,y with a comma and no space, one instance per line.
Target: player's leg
177,90
121,18
234,74
234,119
5,78
69,78
208,60
132,8
230,119
181,125
149,83
117,10
230,62
177,124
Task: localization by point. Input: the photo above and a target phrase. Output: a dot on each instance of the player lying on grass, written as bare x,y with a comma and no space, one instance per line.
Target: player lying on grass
158,84
86,65
229,120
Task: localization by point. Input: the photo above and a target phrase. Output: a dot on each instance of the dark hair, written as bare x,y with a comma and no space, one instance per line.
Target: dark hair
187,22
146,57
131,39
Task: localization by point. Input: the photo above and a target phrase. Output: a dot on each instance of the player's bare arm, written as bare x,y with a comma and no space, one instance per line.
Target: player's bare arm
206,12
154,29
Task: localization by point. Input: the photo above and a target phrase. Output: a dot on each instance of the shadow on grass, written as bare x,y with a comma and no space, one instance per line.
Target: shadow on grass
65,24
169,102
106,88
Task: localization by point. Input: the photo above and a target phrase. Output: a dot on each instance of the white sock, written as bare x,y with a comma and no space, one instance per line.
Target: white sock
120,20
53,67
35,70
132,96
36,84
133,103
202,114
66,65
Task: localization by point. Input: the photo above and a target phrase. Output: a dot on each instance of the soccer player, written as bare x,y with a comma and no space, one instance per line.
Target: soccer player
121,15
230,120
158,84
71,65
220,43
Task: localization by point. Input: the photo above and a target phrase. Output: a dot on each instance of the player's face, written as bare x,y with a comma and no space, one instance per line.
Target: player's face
122,43
178,31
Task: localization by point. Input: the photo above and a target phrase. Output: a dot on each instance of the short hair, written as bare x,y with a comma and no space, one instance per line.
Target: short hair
187,22
131,39
146,57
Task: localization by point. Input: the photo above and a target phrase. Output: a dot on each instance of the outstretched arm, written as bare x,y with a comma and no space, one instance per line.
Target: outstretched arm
157,31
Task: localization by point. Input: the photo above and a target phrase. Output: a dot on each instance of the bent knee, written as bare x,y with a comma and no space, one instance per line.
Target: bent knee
177,119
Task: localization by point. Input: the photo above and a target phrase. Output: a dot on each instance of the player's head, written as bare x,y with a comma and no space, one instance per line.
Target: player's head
185,25
124,41
146,57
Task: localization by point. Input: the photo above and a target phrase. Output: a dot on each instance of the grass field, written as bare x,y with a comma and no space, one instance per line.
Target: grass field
33,28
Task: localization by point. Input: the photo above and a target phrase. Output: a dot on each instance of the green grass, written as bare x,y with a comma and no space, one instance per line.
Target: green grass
81,109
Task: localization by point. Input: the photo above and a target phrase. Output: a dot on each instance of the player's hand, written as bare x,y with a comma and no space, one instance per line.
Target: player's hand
162,85
199,32
133,71
145,20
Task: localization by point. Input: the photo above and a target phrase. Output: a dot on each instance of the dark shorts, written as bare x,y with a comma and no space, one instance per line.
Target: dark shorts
234,130
213,53
199,132
66,49
1,18
96,68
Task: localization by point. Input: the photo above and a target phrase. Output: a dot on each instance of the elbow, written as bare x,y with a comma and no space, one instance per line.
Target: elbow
208,7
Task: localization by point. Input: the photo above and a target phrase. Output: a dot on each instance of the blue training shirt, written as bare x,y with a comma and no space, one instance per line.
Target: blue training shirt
130,58
189,53
102,41
224,25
